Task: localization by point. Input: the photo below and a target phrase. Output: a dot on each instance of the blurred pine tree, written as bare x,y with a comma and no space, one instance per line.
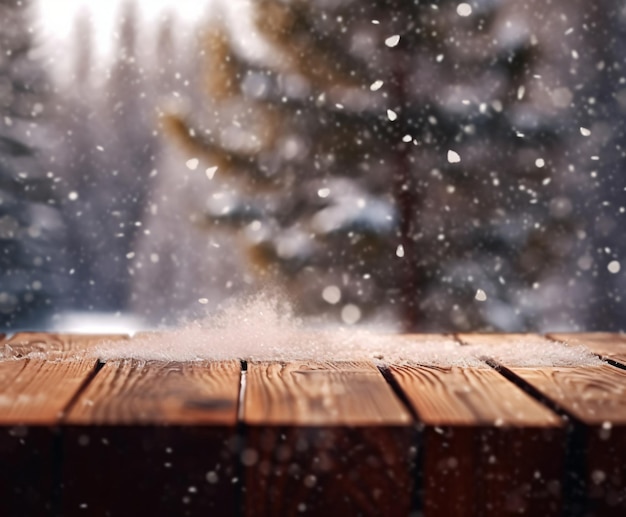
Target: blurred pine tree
106,121
399,153
31,229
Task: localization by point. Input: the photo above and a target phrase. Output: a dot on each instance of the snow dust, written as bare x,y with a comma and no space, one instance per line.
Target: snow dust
265,328
535,352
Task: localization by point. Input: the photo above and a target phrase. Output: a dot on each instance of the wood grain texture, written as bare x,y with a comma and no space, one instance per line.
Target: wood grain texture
605,344
592,394
36,392
308,393
153,438
594,397
51,346
153,392
488,448
157,438
325,438
33,395
469,396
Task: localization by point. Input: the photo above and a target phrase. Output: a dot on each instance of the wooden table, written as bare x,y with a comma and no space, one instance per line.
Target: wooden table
129,437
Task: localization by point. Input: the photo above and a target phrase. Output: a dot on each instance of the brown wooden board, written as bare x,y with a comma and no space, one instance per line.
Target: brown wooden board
605,344
41,345
325,439
33,395
488,449
153,438
595,399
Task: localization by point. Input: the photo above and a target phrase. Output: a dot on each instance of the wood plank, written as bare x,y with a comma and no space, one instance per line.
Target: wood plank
40,374
33,395
487,447
594,396
605,344
153,438
308,393
591,393
41,345
325,438
470,396
36,392
130,392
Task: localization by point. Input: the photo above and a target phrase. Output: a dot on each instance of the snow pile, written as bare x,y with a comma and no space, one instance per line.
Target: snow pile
534,352
264,328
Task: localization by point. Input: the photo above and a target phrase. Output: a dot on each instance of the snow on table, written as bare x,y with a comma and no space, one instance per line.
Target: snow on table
501,429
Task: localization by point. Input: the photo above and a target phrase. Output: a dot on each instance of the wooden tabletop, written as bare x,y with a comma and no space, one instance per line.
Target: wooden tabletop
513,431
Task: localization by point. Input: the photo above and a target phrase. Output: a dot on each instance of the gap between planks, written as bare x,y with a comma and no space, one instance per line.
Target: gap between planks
609,346
330,406
241,395
92,371
592,397
175,421
338,425
482,439
36,391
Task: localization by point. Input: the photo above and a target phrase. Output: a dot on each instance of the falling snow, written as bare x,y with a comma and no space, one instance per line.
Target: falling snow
210,172
464,9
614,267
365,174
453,157
392,41
331,294
192,164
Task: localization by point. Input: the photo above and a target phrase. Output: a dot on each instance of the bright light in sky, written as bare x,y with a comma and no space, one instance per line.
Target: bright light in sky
57,18
56,22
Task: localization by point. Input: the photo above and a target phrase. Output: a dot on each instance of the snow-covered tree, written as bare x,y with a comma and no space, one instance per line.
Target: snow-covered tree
107,118
31,229
396,154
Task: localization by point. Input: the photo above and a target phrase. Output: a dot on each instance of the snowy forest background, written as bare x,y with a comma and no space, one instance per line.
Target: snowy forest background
430,166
